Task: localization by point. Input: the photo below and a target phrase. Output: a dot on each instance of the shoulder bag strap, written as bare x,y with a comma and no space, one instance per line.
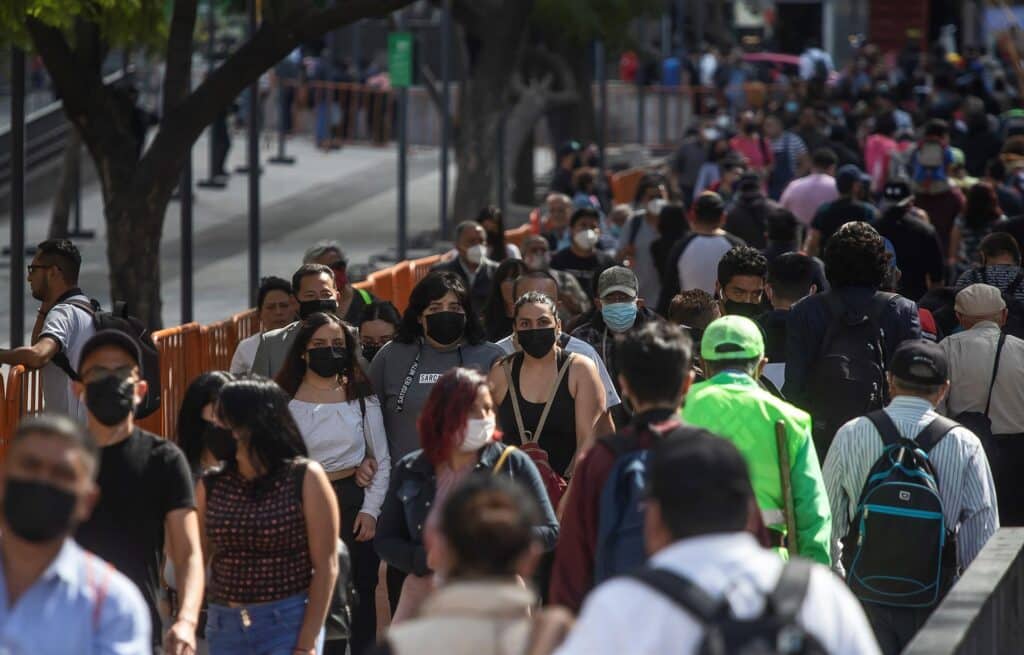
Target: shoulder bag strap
551,396
788,596
886,428
513,393
995,370
684,593
367,441
496,469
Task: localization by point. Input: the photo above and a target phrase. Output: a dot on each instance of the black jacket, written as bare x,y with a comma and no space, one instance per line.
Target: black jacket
399,540
481,283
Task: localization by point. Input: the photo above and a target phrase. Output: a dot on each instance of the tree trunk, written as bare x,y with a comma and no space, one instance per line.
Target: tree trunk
70,174
576,121
523,191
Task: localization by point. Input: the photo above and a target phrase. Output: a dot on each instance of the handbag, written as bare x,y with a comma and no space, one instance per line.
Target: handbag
554,483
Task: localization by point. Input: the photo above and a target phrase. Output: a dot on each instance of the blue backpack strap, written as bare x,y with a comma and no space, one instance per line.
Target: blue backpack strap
684,593
886,428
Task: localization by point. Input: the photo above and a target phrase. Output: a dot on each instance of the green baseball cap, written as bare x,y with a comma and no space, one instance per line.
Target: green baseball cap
732,337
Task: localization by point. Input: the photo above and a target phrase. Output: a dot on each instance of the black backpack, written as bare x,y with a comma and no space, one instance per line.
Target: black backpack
118,319
1014,308
848,379
898,551
774,632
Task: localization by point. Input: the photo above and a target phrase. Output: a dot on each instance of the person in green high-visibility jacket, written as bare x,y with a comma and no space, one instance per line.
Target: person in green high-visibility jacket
732,404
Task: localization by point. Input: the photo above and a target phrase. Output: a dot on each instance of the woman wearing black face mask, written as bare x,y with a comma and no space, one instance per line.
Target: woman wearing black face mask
377,327
439,331
204,443
559,396
342,426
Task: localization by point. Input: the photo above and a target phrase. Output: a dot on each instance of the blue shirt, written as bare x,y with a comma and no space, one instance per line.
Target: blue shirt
81,605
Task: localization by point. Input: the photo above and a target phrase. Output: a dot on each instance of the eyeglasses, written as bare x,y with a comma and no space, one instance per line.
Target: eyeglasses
32,268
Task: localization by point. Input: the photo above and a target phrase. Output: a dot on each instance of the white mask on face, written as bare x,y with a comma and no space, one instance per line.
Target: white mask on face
655,206
475,254
479,431
586,239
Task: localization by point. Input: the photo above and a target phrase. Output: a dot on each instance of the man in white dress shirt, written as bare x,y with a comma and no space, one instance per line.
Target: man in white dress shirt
699,500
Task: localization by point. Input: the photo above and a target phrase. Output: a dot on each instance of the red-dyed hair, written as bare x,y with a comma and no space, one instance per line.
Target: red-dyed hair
442,423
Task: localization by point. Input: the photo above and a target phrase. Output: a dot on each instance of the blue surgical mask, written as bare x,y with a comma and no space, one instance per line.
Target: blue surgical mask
619,316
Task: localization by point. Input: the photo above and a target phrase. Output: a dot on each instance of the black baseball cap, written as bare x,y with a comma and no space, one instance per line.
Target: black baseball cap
897,192
920,362
115,339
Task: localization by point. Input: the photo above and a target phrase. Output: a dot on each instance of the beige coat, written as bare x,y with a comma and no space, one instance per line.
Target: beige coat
486,617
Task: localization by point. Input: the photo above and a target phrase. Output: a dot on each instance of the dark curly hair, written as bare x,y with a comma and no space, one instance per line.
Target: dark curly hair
855,256
431,288
741,260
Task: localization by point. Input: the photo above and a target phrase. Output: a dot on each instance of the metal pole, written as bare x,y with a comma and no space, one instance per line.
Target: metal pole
446,46
502,182
601,73
211,29
666,52
403,170
185,191
254,173
640,73
17,197
681,26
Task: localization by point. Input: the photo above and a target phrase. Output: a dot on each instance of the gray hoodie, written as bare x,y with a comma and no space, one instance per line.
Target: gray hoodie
391,367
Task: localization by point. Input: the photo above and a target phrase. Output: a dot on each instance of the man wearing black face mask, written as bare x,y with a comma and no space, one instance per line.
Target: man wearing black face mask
49,586
316,290
146,489
740,284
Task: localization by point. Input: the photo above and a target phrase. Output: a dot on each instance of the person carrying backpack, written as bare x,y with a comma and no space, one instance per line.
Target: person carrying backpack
838,343
602,518
907,471
708,587
733,405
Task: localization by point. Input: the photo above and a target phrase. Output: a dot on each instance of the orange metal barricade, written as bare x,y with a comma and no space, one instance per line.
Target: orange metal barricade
624,185
246,324
517,235
218,345
402,279
180,362
24,397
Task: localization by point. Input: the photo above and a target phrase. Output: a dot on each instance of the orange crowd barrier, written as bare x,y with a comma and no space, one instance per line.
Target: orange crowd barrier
625,183
187,351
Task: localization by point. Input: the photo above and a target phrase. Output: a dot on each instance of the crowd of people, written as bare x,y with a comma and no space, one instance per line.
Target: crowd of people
646,428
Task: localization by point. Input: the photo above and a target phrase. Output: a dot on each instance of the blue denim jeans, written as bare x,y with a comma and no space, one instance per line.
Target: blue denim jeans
263,629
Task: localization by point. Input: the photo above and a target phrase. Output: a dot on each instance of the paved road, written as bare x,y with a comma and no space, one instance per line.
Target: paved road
346,195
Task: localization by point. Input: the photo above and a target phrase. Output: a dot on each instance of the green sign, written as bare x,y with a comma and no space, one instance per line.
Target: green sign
400,58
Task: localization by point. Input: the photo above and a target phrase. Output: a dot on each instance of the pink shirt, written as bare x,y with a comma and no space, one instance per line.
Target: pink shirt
806,194
757,151
877,151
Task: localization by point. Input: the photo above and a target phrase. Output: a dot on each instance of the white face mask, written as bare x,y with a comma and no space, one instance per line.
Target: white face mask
479,431
475,254
586,239
538,262
655,206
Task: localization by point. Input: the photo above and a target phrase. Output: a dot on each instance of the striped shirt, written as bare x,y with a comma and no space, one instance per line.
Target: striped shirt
965,480
1000,276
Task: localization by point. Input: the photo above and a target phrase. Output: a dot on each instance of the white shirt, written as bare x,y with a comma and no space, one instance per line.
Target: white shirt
808,59
697,266
626,616
580,347
971,354
336,436
245,354
965,481
70,327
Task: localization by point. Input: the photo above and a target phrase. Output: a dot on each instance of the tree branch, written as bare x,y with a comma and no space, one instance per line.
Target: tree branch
77,84
178,73
432,85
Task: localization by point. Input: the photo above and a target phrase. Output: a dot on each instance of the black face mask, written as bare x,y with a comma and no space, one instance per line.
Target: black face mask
369,352
309,307
748,309
110,400
536,343
446,327
220,442
328,362
36,511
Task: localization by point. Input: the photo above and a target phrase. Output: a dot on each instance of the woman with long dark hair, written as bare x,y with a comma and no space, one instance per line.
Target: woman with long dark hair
377,327
341,425
981,216
498,308
457,431
270,530
204,443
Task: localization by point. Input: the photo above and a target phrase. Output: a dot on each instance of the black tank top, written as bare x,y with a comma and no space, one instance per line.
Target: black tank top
559,436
